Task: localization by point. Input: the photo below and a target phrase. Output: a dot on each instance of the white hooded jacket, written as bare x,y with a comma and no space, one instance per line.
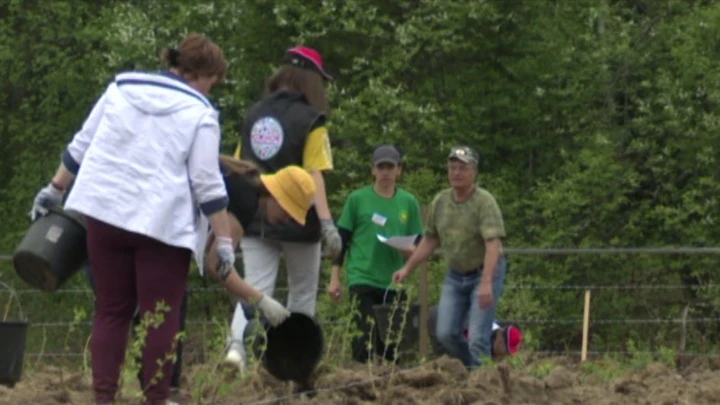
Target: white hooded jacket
146,159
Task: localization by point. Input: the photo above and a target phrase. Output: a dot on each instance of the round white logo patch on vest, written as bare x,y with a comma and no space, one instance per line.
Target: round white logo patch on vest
266,137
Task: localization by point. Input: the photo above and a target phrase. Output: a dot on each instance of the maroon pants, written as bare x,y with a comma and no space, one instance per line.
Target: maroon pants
133,270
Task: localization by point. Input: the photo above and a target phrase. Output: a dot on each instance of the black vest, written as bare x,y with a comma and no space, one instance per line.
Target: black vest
273,136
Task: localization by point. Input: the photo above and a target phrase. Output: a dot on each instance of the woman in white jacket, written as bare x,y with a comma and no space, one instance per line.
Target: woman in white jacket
144,161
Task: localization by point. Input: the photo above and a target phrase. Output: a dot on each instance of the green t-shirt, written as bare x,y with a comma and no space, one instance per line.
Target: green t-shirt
464,227
366,214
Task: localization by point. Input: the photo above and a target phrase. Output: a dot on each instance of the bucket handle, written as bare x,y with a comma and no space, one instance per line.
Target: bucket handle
387,290
398,288
7,307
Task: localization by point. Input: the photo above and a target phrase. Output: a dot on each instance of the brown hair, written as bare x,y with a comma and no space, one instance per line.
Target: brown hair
244,168
197,56
238,166
303,81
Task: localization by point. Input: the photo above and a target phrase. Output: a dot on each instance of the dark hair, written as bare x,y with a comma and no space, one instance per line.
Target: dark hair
304,81
241,167
197,55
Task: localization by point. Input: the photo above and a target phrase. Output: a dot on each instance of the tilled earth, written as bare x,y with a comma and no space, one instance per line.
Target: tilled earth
443,381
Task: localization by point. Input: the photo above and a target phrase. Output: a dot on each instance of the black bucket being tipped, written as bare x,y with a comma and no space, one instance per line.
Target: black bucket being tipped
52,251
294,349
13,335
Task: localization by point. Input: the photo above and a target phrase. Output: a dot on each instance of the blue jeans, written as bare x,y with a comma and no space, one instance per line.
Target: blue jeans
458,301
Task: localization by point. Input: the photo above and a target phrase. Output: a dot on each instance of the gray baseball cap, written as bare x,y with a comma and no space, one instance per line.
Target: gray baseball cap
386,154
464,154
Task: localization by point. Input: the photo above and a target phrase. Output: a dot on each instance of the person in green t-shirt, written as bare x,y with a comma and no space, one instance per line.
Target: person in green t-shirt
466,220
380,209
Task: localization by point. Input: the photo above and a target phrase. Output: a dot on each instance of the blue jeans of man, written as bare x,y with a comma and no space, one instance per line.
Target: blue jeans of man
459,301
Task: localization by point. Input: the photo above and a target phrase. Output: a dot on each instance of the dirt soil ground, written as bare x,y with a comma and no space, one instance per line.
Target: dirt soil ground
443,381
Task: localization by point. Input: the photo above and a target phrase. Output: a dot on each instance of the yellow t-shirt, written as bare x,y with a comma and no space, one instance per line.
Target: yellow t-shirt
317,154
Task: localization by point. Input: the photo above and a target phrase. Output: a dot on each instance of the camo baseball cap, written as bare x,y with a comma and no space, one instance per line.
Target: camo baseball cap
464,154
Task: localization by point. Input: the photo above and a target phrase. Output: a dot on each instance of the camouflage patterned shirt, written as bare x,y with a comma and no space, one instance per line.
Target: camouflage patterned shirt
463,228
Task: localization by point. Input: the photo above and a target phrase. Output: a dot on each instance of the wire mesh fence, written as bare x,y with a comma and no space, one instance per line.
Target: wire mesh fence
66,320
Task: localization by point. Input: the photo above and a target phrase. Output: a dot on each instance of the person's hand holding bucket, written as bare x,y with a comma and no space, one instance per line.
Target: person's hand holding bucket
274,312
220,266
47,198
400,275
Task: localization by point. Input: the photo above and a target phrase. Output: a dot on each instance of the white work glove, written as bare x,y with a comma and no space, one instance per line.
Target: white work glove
331,236
48,197
272,310
226,257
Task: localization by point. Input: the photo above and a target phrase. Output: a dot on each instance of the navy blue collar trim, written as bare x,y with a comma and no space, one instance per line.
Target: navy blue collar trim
202,99
171,75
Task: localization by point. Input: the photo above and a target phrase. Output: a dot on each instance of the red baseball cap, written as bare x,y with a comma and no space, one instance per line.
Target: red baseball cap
306,58
513,339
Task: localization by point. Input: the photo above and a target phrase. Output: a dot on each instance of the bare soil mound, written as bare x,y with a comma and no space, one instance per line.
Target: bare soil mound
443,381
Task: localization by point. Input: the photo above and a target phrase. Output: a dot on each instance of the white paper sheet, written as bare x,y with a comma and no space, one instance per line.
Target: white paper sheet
399,242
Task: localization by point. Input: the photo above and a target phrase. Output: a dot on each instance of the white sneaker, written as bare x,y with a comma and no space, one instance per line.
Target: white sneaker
235,359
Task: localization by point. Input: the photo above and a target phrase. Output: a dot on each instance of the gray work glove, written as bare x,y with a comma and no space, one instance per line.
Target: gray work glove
273,311
331,237
226,257
48,197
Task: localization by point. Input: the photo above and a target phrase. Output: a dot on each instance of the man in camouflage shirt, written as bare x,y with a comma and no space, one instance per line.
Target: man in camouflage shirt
466,220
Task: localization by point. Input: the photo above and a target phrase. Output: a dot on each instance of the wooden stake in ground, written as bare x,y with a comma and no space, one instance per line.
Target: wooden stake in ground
424,300
505,378
424,309
586,326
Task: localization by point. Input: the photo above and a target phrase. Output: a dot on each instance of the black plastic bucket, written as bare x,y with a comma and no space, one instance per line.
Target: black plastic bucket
52,251
294,349
399,324
12,351
13,335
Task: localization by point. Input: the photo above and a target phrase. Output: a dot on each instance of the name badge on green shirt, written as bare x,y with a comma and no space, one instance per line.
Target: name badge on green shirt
379,219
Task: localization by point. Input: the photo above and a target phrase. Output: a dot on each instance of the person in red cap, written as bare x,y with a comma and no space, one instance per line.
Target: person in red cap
288,127
513,338
506,337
